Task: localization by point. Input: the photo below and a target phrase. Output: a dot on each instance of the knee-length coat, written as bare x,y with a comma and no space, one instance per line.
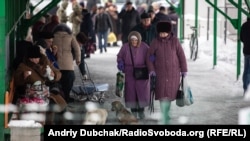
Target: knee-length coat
169,62
135,90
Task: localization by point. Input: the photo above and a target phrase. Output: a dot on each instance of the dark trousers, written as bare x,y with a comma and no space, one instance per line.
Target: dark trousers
82,64
67,81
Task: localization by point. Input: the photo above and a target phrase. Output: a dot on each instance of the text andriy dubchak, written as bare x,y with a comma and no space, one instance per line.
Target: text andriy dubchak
120,132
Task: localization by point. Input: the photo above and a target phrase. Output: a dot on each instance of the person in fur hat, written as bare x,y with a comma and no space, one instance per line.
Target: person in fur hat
76,18
61,12
34,68
137,92
166,61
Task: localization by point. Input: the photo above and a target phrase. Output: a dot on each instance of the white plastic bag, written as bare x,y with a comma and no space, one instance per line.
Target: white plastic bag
188,96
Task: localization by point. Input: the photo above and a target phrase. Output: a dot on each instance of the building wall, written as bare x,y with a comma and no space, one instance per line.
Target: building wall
203,7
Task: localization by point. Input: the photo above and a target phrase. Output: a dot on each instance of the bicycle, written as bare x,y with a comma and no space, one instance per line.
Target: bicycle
193,44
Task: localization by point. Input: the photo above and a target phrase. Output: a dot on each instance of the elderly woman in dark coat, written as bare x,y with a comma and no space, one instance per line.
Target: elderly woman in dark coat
33,68
137,92
166,60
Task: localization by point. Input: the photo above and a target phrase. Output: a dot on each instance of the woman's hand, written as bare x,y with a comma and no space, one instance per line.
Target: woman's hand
26,74
52,74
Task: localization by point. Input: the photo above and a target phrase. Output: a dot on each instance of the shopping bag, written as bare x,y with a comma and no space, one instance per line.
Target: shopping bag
188,96
180,95
184,95
120,80
111,37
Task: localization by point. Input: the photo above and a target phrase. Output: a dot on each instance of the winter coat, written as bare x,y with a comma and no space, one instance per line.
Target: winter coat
162,17
62,13
244,37
48,51
103,22
174,17
65,43
49,27
148,34
76,18
37,72
36,30
129,19
87,26
169,62
115,22
134,89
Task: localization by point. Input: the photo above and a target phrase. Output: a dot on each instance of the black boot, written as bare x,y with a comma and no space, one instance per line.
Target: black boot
141,113
134,112
115,44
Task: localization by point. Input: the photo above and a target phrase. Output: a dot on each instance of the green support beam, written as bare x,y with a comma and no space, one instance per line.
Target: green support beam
29,22
2,63
179,11
12,27
238,69
236,24
215,34
247,2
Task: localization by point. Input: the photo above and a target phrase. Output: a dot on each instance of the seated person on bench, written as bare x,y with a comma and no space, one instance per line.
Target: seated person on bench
35,68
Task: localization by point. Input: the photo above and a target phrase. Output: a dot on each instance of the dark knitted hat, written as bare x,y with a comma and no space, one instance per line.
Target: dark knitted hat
164,26
145,15
46,35
81,37
34,52
129,3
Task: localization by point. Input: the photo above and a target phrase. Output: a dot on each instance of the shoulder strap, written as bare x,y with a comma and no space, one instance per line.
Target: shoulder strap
131,55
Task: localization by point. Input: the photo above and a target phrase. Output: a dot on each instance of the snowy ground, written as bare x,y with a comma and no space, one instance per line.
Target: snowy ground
217,93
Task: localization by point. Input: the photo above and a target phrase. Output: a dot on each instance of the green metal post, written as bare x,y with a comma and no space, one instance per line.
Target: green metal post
181,9
238,41
2,63
196,13
215,35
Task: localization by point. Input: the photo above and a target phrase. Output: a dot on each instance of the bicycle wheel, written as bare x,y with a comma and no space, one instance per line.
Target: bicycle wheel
191,45
195,49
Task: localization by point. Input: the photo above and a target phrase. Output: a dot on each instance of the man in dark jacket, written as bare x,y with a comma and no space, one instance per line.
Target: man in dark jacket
103,25
174,19
87,27
129,18
146,29
161,15
244,37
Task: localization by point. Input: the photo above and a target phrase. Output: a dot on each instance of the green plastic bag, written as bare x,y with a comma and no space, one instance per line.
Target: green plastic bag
120,79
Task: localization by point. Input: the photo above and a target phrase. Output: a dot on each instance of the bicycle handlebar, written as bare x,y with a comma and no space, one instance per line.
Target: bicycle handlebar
193,27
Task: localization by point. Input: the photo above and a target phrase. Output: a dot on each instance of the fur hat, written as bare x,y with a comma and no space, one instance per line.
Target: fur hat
164,26
62,28
34,52
144,15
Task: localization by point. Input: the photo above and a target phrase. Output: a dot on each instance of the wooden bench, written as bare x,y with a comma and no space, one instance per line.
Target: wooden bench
9,95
